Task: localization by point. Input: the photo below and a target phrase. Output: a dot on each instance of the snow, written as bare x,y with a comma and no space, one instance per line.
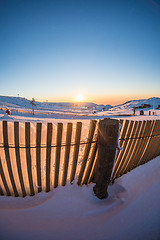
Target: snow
130,212
21,110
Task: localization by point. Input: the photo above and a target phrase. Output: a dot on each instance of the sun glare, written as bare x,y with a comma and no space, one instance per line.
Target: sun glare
79,98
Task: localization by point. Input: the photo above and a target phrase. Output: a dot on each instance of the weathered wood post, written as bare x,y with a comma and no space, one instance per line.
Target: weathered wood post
108,133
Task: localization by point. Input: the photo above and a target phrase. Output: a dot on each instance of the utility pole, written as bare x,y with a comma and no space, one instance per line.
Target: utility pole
33,104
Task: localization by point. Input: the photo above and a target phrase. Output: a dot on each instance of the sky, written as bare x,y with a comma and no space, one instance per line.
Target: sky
55,50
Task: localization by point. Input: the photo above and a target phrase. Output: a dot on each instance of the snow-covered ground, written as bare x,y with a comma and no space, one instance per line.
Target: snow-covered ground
21,110
132,209
67,213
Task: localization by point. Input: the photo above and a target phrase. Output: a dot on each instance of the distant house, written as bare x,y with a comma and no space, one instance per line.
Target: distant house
145,105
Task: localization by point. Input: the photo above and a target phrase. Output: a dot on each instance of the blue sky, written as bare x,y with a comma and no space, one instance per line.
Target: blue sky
109,51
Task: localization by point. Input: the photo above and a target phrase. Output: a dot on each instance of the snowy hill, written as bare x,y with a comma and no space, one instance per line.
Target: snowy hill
14,102
127,107
18,103
73,110
143,103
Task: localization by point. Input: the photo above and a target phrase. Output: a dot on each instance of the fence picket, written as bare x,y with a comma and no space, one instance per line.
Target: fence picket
92,176
67,152
123,153
18,160
137,147
127,150
48,156
147,142
143,143
6,148
91,164
4,179
58,153
131,149
1,192
122,144
38,155
28,157
87,150
151,143
157,144
122,131
76,150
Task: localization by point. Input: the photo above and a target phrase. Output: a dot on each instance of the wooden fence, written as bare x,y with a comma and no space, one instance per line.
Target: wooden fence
33,158
140,141
39,158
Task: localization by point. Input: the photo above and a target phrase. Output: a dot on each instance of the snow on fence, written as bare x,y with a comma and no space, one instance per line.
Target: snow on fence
36,158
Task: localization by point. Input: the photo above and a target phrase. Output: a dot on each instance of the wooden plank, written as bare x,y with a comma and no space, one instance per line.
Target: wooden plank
1,191
128,148
143,143
38,155
157,140
91,163
122,144
129,156
58,153
122,154
92,176
4,179
76,150
18,161
137,147
152,144
6,148
122,130
48,156
67,153
149,142
87,150
28,157
156,147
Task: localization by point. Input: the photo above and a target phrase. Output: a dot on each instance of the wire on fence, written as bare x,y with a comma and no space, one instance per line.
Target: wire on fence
45,146
74,144
144,137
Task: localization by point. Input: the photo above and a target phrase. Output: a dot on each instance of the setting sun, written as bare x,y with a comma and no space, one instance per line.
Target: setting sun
79,98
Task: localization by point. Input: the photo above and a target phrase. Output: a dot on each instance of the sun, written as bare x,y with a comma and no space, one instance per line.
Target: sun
79,98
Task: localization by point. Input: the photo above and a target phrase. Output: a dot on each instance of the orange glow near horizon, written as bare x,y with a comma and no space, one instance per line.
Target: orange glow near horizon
112,100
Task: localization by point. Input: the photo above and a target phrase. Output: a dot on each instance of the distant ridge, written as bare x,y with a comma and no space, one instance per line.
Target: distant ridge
17,103
154,102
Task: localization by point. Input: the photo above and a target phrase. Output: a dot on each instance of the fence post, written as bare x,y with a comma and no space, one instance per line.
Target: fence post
108,132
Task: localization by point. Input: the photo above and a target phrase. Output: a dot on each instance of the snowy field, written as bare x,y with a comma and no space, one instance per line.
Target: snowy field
21,110
67,213
130,212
